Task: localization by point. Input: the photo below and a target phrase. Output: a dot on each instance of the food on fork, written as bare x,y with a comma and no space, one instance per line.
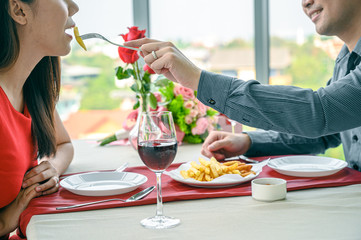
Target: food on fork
78,38
209,170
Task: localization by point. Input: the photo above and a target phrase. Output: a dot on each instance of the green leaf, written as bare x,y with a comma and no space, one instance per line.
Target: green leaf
122,73
130,71
134,87
161,82
146,87
211,112
152,101
139,84
146,77
136,105
192,139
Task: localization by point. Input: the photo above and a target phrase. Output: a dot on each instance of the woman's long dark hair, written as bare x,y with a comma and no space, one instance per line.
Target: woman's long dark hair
41,89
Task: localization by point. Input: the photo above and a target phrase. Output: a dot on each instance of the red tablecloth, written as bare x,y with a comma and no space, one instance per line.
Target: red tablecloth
175,191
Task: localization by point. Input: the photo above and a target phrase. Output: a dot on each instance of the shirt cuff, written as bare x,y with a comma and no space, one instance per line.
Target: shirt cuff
259,142
213,90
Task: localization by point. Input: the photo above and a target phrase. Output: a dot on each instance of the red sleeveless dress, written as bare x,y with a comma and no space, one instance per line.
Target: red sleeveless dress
17,149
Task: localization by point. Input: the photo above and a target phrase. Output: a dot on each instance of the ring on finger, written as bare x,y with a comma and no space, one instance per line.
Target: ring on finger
154,55
56,179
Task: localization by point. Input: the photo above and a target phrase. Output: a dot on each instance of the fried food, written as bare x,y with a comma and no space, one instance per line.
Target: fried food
78,38
209,170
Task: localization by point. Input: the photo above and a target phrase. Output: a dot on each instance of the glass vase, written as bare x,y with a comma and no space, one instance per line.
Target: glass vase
143,107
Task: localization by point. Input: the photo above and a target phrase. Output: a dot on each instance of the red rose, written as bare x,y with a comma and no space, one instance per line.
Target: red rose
133,34
146,68
127,55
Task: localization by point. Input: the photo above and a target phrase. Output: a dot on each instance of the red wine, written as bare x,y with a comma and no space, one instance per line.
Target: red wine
157,154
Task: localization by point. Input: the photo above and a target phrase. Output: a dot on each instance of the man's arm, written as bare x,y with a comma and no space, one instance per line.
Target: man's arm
268,143
286,109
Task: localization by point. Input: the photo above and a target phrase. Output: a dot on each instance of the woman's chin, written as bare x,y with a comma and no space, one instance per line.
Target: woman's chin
65,51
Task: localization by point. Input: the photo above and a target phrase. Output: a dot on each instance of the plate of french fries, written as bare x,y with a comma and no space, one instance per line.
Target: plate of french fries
213,174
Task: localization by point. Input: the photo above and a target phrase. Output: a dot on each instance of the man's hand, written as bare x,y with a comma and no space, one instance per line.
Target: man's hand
224,144
164,58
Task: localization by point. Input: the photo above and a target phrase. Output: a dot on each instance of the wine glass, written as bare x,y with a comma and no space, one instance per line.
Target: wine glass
157,147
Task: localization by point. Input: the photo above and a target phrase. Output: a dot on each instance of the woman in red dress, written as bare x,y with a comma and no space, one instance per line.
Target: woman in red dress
34,145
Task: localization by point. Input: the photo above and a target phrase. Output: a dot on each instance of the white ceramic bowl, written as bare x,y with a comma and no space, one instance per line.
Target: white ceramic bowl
269,189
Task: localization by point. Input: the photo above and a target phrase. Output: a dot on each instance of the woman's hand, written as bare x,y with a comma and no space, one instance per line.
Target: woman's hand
169,61
9,215
224,144
46,175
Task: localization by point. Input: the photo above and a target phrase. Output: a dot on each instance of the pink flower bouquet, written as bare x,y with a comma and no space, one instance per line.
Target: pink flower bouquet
193,119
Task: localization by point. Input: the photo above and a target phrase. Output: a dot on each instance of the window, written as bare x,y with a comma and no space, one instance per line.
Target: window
298,55
90,103
216,35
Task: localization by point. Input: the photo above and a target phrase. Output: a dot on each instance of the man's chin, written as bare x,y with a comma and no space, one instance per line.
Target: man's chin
323,31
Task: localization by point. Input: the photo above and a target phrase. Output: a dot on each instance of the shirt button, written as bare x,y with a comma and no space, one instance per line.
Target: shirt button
211,101
354,138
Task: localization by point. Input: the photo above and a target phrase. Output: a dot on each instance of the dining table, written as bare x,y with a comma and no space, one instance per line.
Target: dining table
312,213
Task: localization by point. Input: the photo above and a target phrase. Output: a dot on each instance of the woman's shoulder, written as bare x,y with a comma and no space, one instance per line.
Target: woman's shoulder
8,111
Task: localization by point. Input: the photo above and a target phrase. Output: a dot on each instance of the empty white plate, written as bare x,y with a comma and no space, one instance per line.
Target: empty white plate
307,166
103,183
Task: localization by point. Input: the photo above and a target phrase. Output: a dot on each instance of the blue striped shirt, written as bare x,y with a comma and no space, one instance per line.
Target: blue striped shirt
296,120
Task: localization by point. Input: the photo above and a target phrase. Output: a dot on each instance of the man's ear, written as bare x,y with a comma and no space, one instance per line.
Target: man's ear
18,11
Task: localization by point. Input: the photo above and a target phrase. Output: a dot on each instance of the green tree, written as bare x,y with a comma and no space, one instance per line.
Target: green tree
311,67
97,94
96,91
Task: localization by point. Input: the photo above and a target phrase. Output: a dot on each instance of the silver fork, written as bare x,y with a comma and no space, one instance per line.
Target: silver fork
97,35
241,157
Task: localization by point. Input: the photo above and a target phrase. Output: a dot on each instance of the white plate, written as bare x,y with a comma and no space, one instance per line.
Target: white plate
103,183
226,180
307,166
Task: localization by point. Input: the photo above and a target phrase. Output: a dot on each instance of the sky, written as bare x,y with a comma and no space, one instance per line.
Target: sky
193,20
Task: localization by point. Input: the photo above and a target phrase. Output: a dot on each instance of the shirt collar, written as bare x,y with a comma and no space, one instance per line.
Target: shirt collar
358,48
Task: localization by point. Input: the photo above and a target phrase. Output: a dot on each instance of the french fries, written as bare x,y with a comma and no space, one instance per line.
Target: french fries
209,170
78,38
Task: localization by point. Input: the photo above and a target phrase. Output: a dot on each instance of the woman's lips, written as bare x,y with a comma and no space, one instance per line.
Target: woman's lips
69,34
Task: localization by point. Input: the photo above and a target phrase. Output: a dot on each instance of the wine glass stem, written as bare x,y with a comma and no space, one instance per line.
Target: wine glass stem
159,194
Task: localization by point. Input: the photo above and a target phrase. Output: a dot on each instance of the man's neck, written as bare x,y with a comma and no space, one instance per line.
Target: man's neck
351,35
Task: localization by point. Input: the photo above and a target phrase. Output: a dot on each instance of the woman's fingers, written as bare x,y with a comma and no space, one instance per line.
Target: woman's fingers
40,174
52,185
51,190
35,171
27,194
